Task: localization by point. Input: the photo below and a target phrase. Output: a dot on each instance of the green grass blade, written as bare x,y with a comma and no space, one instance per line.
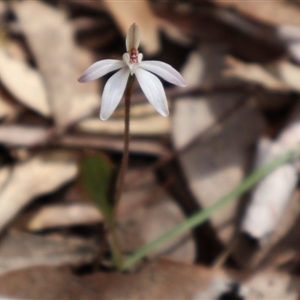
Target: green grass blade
205,214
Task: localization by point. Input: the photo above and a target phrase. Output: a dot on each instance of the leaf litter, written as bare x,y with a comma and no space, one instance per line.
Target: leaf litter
239,110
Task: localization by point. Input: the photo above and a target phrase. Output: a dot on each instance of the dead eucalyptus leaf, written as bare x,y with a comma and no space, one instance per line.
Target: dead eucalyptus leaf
8,112
273,13
272,194
216,165
19,250
145,213
32,178
54,216
149,125
18,135
25,83
50,38
166,279
254,73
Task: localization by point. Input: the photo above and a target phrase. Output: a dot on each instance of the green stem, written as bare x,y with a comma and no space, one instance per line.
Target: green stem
204,215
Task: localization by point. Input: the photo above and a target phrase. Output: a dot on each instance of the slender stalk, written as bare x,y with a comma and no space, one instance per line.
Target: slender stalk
117,255
124,165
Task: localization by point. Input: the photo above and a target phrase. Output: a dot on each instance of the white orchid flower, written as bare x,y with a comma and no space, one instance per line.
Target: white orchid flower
132,64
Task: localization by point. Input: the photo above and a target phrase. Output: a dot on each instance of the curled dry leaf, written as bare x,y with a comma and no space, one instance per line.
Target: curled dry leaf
46,175
139,12
24,82
54,216
18,135
50,38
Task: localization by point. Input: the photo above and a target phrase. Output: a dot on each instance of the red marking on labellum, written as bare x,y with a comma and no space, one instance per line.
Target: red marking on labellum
133,56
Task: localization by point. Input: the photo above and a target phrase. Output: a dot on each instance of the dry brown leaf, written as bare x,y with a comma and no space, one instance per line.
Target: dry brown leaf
8,112
53,216
288,73
271,195
18,135
288,33
173,32
163,280
35,177
4,176
215,166
145,213
194,72
22,250
279,76
271,12
145,126
50,38
128,12
24,83
254,73
146,146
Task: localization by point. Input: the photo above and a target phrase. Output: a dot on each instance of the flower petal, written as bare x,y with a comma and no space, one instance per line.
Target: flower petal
113,92
163,70
133,37
100,68
126,59
153,90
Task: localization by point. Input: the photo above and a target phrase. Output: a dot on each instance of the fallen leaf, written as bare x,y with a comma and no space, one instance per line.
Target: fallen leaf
24,82
163,280
56,216
19,250
273,13
144,126
94,142
217,164
50,38
8,112
270,197
145,213
18,135
254,73
46,175
288,33
288,74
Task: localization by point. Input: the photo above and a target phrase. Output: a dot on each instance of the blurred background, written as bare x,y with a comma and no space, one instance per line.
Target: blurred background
58,160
